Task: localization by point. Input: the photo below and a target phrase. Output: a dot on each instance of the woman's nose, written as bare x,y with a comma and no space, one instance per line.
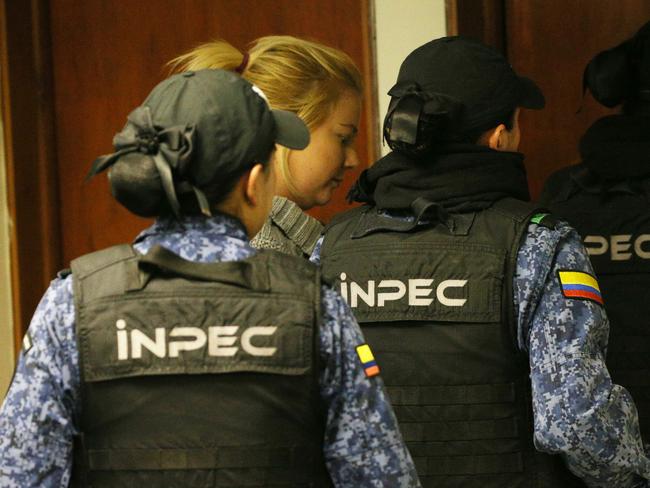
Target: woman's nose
351,159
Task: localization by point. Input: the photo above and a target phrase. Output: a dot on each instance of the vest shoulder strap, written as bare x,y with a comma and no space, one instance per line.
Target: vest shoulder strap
289,272
345,216
85,269
336,228
86,265
521,213
518,210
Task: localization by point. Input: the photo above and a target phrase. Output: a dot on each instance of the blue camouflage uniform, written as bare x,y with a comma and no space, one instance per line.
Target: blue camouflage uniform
363,446
578,412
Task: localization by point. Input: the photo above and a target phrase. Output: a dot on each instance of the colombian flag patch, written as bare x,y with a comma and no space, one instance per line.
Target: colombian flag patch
368,361
576,284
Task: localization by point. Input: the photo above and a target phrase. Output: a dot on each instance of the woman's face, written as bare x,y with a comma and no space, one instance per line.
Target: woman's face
318,170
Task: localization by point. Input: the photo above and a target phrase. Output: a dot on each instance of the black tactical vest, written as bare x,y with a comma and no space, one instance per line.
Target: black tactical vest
198,375
436,307
615,225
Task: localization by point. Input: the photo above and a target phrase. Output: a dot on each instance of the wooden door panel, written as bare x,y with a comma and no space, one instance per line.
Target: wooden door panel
108,54
26,106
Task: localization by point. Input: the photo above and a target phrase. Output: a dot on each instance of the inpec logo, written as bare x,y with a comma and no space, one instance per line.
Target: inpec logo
621,247
418,290
220,340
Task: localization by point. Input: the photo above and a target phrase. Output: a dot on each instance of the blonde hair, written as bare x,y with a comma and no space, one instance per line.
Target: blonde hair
297,75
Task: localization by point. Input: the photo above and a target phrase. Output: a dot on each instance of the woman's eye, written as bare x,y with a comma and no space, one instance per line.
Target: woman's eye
345,140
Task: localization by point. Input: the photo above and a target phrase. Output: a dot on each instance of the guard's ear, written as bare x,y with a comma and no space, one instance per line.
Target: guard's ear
258,183
494,138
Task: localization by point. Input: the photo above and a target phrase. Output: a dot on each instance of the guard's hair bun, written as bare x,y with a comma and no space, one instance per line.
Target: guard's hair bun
609,76
621,74
135,183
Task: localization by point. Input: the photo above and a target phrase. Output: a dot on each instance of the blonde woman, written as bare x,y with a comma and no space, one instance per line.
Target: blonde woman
323,86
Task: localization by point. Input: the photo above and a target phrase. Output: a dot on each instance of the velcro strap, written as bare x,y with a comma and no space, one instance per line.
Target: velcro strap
451,395
464,448
204,458
443,431
433,413
464,465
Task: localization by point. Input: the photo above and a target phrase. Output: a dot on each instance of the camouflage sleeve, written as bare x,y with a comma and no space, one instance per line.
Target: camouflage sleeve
363,446
578,412
36,419
315,254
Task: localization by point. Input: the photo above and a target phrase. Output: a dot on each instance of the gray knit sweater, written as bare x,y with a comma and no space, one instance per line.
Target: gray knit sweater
288,229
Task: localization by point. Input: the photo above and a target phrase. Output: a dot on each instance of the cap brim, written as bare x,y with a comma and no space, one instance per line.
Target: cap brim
291,130
530,95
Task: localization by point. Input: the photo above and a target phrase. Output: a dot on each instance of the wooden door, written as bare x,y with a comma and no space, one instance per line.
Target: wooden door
94,61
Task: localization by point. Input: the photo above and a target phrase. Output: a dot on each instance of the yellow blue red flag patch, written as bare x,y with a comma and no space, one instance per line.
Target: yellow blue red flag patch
577,284
368,361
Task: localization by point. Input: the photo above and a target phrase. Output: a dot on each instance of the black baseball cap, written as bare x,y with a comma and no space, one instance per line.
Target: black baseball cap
195,133
234,124
474,75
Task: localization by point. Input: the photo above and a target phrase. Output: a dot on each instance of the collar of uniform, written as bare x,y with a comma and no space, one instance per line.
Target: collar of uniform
197,238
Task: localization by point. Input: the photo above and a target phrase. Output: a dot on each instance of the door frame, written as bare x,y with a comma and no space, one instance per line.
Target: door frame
30,157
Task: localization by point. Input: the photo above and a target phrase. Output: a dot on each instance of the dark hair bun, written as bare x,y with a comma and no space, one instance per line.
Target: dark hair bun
135,183
621,74
609,76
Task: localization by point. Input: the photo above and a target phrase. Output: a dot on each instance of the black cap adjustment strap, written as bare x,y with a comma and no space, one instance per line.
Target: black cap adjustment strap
167,181
204,205
405,119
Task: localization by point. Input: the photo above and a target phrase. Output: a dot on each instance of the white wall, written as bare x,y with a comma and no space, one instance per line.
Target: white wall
6,319
400,27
